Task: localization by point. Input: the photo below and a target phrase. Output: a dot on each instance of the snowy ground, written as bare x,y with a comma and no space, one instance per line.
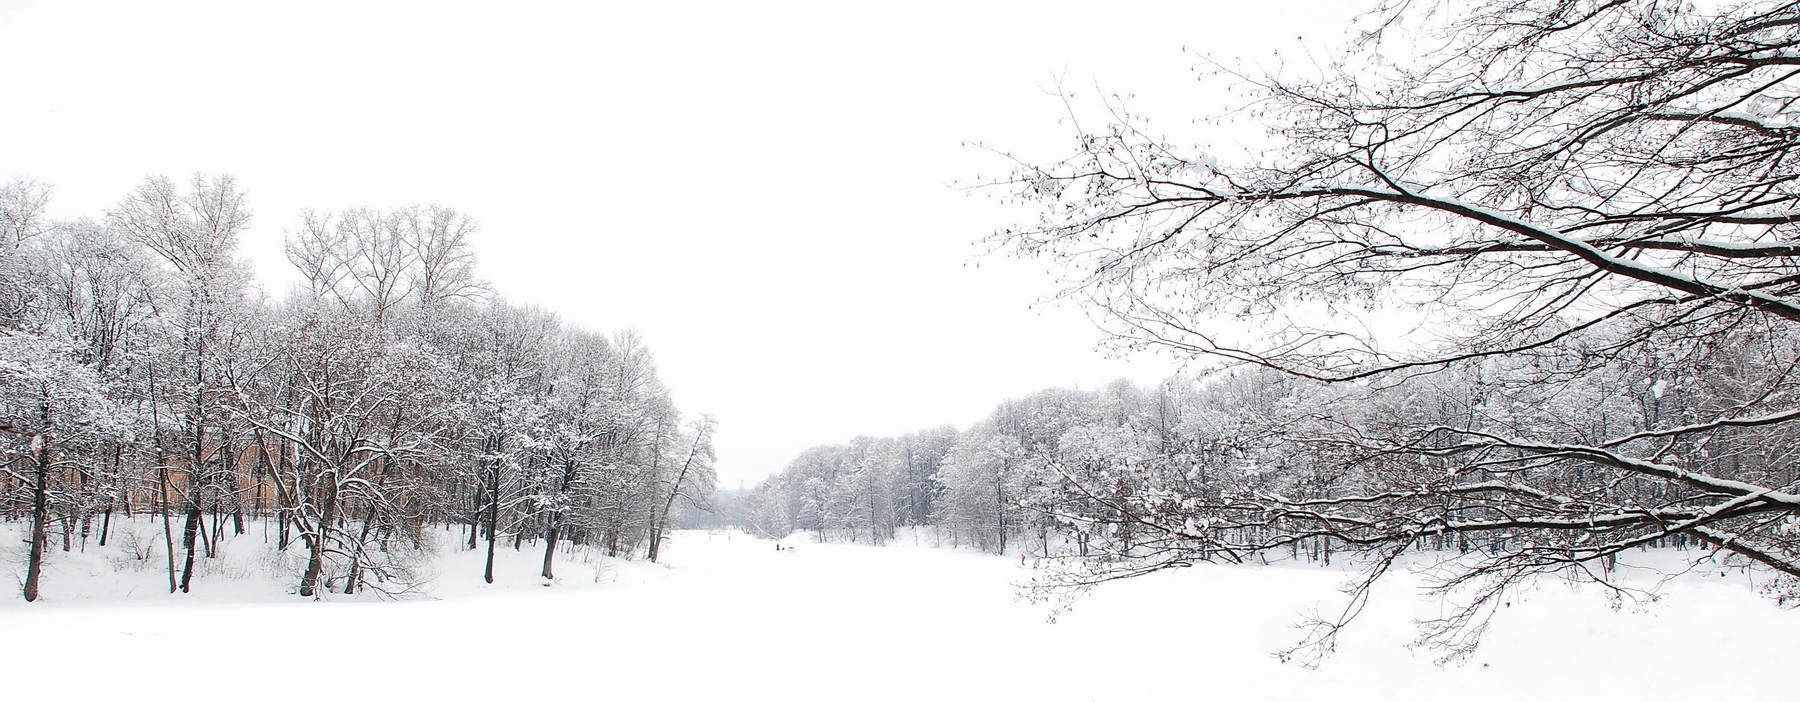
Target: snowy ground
729,617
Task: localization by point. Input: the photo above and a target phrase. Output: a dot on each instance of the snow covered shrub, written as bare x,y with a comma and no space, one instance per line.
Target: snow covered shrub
136,547
281,565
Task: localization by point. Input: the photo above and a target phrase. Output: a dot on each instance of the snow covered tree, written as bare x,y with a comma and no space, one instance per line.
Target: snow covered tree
1585,200
638,443
689,476
195,233
503,410
22,204
916,490
52,409
390,389
580,417
99,294
980,481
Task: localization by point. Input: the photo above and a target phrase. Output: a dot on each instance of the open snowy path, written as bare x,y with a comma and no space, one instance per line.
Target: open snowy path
731,618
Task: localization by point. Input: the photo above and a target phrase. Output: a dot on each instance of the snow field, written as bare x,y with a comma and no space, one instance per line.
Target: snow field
729,617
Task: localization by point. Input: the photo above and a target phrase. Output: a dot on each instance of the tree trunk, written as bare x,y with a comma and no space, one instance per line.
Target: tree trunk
218,531
1000,502
493,521
162,483
550,538
555,531
40,513
105,524
475,522
317,540
190,532
118,494
190,529
205,534
660,523
351,580
162,479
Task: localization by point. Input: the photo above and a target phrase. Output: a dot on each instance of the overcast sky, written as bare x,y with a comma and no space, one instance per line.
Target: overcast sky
762,190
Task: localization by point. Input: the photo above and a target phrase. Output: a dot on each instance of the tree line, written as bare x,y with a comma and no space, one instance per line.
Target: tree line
389,392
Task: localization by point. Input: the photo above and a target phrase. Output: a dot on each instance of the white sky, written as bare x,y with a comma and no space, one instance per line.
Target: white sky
762,190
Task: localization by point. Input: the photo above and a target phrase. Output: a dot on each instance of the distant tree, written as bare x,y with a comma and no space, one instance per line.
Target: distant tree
917,492
1583,210
980,479
766,507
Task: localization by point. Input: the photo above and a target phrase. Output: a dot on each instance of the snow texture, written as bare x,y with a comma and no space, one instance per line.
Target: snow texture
729,617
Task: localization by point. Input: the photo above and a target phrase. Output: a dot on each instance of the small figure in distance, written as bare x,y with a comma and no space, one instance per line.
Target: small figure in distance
778,545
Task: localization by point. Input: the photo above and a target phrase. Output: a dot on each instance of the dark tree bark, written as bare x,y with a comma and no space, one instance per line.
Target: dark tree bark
354,577
493,518
660,524
555,531
190,531
162,506
475,521
40,511
318,540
